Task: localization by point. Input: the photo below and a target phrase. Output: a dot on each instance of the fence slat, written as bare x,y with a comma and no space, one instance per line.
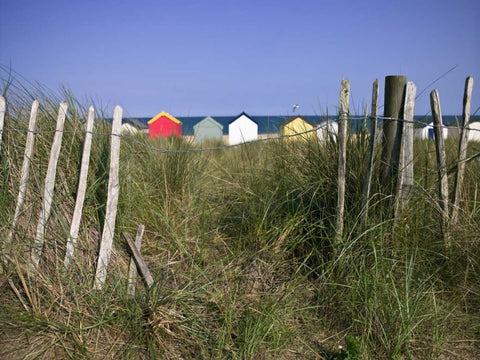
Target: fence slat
132,270
371,151
112,201
49,185
441,163
342,154
405,164
82,188
3,107
142,266
32,126
462,147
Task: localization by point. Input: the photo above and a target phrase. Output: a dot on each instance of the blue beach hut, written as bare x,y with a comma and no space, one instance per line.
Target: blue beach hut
207,129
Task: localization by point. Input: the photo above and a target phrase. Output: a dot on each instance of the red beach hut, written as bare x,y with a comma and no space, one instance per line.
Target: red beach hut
164,125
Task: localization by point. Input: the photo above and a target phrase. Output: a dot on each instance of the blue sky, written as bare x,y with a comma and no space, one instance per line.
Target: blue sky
195,58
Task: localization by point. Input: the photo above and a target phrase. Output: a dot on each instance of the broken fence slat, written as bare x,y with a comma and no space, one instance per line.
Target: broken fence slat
141,265
132,270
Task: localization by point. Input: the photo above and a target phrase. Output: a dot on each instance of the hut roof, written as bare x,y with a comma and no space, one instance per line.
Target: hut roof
289,120
209,120
243,113
164,114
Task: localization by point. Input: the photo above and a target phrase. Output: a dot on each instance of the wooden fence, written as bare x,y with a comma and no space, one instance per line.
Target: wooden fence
403,177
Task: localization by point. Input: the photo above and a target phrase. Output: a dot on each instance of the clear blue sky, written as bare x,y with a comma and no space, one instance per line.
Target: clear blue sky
223,57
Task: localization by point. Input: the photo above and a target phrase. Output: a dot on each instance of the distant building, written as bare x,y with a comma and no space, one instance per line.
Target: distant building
207,129
164,125
297,126
242,129
128,129
427,132
326,130
474,131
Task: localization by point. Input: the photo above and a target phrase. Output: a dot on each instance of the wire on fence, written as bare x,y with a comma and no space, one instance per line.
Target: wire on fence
225,147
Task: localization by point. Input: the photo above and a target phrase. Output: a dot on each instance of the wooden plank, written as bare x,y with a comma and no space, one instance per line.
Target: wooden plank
81,191
342,155
462,148
49,185
405,164
3,107
371,151
32,126
132,270
112,201
142,266
441,163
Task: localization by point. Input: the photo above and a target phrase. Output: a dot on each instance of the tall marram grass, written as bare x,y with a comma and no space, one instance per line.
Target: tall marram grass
240,243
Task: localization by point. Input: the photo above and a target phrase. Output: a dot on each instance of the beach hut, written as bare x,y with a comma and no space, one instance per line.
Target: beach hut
295,126
164,125
128,129
427,131
242,129
474,131
207,129
327,129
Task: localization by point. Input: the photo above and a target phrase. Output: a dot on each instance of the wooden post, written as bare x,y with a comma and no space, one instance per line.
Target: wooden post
132,270
462,147
3,106
112,201
32,126
371,152
405,164
441,163
342,154
392,131
82,188
142,266
49,185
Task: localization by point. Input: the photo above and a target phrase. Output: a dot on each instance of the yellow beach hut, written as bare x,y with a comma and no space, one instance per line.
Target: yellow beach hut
297,125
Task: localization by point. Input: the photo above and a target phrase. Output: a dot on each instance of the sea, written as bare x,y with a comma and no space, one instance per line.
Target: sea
271,124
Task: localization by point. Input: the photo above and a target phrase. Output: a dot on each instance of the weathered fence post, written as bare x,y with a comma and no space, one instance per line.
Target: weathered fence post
441,163
405,163
3,107
32,125
112,201
392,130
462,147
82,188
49,185
371,152
132,270
342,154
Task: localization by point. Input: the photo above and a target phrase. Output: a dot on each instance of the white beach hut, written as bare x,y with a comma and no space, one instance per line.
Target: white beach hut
427,132
326,129
242,129
474,131
128,129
